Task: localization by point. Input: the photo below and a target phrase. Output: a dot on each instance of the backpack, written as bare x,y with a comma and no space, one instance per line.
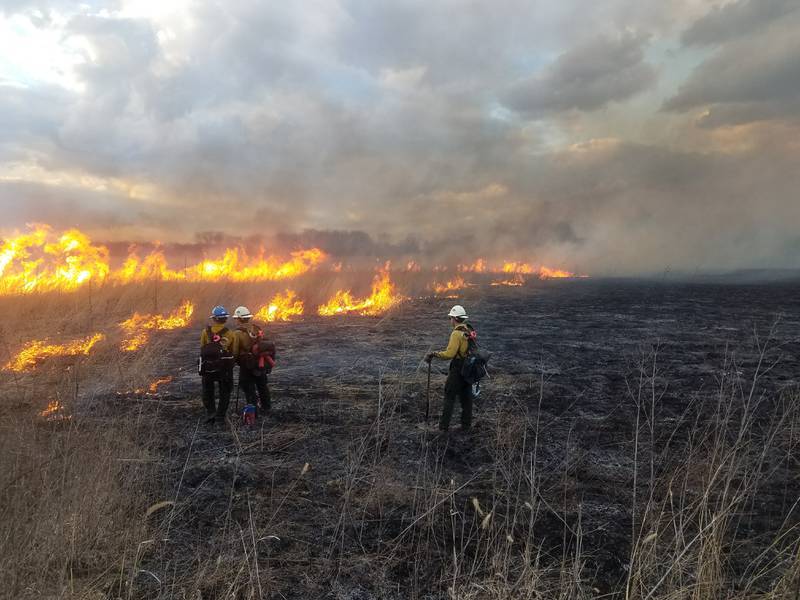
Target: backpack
214,355
473,369
260,356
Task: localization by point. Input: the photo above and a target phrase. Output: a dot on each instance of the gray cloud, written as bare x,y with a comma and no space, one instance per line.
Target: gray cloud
25,202
586,77
736,19
722,115
30,120
745,71
630,203
122,49
347,244
754,73
390,122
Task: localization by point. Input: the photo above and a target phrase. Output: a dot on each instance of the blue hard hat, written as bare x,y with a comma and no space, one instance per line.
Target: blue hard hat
219,312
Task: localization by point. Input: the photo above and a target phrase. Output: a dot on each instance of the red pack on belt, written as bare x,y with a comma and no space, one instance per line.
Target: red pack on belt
249,414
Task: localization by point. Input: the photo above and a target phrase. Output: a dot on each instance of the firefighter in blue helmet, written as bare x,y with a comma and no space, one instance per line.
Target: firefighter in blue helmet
216,364
456,386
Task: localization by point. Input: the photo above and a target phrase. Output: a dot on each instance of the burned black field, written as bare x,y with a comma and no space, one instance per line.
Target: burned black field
638,436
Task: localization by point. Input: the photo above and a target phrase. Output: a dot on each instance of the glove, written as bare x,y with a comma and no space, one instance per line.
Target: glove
429,357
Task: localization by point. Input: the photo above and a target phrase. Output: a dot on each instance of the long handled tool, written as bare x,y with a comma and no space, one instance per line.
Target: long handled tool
428,395
237,396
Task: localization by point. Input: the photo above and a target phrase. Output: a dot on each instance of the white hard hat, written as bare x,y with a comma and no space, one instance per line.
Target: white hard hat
242,313
457,311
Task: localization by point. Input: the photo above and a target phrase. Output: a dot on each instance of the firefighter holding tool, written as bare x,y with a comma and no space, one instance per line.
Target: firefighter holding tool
456,387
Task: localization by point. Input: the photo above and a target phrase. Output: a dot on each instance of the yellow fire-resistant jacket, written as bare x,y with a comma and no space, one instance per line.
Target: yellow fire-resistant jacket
458,344
228,340
242,342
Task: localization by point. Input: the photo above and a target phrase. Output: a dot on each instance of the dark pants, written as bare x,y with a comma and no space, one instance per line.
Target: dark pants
225,381
456,387
254,386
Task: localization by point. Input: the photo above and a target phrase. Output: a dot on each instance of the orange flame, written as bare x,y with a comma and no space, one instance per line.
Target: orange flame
54,412
517,267
38,261
42,261
236,266
548,273
281,308
38,350
383,297
454,284
52,407
153,387
150,390
479,266
153,266
516,281
542,272
138,327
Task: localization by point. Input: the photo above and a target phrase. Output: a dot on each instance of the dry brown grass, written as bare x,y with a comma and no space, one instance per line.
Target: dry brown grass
74,493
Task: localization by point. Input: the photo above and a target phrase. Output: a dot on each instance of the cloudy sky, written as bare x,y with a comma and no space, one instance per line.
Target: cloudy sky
615,137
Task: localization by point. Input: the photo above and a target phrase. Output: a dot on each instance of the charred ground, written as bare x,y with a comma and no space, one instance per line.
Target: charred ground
609,404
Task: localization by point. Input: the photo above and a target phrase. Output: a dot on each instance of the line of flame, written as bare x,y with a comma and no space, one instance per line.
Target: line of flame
383,297
138,327
54,412
37,350
282,307
457,283
516,281
42,260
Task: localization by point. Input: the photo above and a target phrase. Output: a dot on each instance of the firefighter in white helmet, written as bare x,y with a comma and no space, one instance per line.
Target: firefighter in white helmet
456,386
253,369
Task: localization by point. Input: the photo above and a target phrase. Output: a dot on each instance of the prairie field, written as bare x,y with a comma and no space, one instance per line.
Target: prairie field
635,440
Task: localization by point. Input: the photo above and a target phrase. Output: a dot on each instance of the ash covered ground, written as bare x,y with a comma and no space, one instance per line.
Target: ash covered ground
385,511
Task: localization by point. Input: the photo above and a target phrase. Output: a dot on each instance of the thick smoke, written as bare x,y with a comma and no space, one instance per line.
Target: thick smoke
609,138
346,244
